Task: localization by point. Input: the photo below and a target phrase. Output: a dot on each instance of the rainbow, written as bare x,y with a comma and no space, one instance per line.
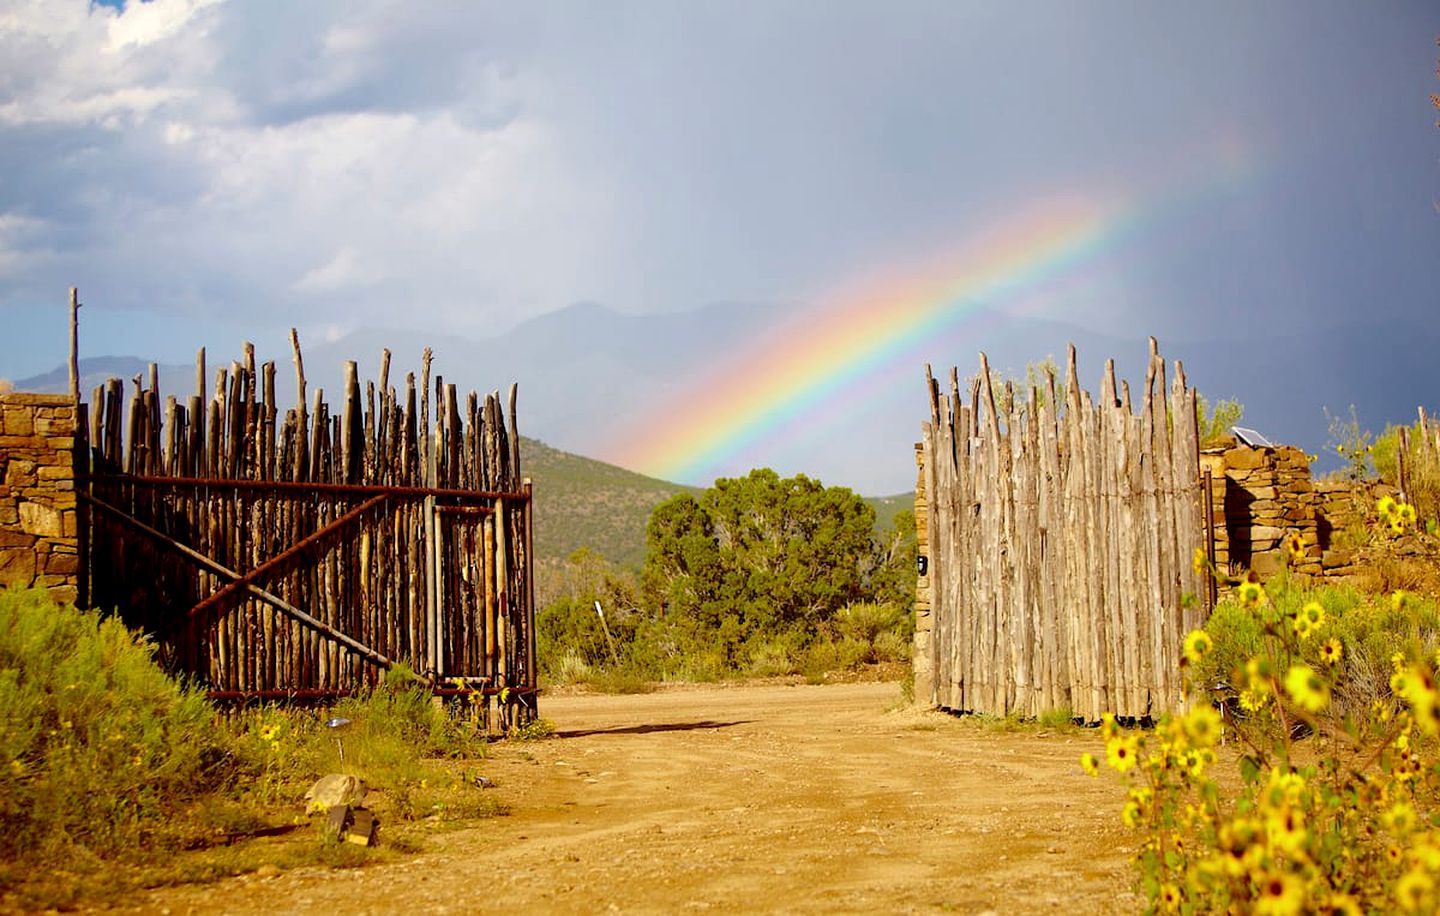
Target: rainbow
778,381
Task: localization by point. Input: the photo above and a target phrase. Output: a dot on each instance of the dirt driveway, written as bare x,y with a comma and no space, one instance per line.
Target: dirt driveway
751,798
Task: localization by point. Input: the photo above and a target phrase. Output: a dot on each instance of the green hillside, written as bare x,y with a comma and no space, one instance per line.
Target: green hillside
887,507
580,502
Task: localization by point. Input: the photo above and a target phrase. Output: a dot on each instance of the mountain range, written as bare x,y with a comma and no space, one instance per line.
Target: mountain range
589,375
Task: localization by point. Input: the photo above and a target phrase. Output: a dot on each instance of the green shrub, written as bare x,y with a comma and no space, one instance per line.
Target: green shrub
826,655
1369,628
97,744
771,658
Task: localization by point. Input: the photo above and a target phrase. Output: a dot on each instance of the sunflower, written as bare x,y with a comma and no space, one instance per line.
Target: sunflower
1170,897
1089,764
1197,645
1399,818
1306,688
1251,593
1295,546
1200,561
1331,651
1286,829
1310,619
1202,726
1280,894
1122,751
1130,815
1415,892
1344,905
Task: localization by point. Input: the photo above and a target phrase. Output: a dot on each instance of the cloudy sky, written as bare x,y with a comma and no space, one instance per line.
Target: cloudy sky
206,171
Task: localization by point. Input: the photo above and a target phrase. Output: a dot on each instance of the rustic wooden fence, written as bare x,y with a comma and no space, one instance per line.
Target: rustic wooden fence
297,555
1061,534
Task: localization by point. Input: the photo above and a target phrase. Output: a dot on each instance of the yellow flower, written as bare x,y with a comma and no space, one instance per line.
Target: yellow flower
1302,627
1121,752
1200,561
1130,815
1170,898
1295,545
1197,644
1253,700
1417,687
1344,905
1286,830
269,732
1283,788
1400,818
1257,673
1251,594
1331,651
1313,612
1202,726
1108,728
1398,599
1386,507
1280,894
1306,688
1425,854
1415,892
1089,764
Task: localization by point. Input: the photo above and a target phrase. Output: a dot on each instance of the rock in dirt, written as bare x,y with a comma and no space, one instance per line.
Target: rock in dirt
334,790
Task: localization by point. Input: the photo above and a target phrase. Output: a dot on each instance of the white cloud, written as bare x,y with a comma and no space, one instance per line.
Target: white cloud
19,237
76,63
339,272
142,24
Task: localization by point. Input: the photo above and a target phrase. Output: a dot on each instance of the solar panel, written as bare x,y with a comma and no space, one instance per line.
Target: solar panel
1250,437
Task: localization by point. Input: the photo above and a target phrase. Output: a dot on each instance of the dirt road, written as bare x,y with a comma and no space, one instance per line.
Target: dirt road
751,798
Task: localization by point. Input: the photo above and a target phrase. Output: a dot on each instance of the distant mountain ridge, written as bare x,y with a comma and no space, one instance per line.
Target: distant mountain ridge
589,375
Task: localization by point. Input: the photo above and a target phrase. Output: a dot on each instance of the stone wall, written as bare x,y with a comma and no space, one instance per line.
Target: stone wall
1264,495
38,542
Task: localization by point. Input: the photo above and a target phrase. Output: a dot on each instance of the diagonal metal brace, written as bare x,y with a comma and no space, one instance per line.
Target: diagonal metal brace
229,592
256,591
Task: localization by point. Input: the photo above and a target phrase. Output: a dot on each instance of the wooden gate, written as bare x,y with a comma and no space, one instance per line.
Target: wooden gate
1060,535
298,556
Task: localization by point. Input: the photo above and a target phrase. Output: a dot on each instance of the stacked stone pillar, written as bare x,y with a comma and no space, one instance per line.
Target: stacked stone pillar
1263,496
38,523
922,664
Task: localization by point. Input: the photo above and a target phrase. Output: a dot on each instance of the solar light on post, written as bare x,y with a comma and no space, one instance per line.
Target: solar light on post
338,726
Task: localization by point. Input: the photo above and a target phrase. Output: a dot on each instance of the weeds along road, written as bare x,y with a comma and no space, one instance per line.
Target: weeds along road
751,799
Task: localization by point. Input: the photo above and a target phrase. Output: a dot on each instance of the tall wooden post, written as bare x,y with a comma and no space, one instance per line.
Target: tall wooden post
75,344
81,456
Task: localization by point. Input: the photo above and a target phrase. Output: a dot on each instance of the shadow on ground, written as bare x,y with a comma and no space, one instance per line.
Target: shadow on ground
651,728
